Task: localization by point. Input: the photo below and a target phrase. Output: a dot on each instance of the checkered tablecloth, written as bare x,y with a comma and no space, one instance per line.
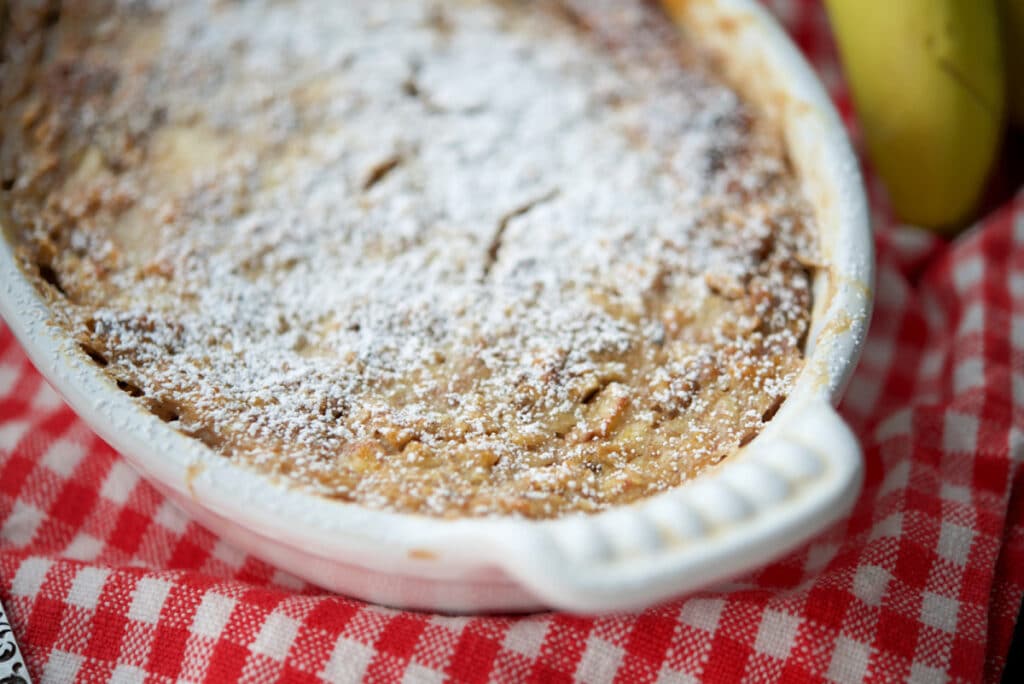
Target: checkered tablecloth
103,579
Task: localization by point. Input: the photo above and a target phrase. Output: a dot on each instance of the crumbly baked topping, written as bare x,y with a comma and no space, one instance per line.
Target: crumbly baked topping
455,258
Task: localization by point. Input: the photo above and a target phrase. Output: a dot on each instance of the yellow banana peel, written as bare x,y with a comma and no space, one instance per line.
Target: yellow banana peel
927,79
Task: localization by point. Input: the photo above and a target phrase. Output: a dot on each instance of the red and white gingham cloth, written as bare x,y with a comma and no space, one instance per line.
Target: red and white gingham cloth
103,579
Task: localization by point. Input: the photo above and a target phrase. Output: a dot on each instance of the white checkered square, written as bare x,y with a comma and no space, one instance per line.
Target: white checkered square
212,615
62,667
421,674
128,674
952,492
960,433
896,478
1017,285
171,518
119,483
600,661
891,526
849,662
896,425
526,637
228,554
955,543
819,556
63,457
702,613
973,319
348,661
939,611
870,584
932,362
8,377
287,580
454,624
923,674
968,374
87,587
1016,444
863,393
968,273
11,433
1017,330
878,353
84,547
669,676
148,600
30,576
46,399
891,287
22,523
776,634
276,636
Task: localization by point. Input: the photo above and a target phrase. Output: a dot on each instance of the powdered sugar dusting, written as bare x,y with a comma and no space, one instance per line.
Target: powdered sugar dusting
459,258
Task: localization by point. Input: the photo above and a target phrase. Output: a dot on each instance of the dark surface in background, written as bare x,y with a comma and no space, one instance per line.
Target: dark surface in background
1008,175
1014,671
1008,179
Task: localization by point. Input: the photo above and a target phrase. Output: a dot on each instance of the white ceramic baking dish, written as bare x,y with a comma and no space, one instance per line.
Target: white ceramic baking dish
794,479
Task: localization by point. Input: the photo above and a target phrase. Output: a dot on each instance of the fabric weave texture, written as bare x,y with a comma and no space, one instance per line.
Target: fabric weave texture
105,580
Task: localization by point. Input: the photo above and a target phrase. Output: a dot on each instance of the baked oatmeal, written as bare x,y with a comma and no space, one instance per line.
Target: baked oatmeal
457,258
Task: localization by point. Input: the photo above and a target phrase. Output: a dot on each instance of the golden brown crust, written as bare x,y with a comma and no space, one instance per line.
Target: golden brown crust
464,259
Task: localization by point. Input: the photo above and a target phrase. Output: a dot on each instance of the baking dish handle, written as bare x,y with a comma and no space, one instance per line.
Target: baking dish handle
800,475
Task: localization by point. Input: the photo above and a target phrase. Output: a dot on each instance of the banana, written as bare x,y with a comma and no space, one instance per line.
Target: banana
1013,35
928,84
